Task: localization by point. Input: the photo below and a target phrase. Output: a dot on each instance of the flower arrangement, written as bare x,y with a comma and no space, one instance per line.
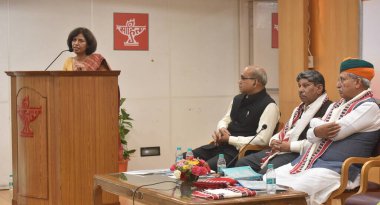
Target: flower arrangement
190,169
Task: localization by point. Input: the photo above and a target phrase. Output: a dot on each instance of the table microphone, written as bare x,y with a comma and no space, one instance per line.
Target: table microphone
71,50
262,128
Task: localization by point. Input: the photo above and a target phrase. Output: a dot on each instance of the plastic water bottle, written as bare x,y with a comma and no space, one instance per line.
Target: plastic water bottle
178,154
189,153
10,184
271,180
221,164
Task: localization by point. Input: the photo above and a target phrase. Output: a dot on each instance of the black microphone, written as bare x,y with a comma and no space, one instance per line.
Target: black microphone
71,50
262,128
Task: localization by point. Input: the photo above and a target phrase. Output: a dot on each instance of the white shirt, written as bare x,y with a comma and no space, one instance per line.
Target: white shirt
270,117
354,122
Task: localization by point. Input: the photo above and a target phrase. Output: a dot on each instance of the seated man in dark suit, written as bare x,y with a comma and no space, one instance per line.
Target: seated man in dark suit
288,143
248,112
349,128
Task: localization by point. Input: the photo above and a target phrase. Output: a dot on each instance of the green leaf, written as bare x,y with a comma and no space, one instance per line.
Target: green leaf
128,118
132,151
124,115
124,128
122,100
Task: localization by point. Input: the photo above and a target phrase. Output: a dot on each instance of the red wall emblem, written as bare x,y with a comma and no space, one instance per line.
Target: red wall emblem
27,114
131,31
274,30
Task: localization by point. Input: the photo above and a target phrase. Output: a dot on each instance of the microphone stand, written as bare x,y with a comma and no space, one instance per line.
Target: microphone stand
262,128
55,59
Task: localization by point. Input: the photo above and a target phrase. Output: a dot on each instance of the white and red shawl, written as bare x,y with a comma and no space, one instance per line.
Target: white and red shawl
337,111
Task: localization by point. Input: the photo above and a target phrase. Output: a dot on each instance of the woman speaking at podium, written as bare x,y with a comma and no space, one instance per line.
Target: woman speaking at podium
82,42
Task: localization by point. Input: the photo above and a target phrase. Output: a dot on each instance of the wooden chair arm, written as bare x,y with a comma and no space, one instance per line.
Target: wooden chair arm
344,173
365,172
250,147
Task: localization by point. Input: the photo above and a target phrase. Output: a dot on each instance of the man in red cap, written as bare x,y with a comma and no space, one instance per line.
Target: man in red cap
350,128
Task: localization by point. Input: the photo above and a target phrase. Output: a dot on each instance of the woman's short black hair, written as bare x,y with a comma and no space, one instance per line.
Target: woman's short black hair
90,39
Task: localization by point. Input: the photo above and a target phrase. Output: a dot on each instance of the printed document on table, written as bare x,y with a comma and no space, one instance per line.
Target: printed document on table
258,185
149,172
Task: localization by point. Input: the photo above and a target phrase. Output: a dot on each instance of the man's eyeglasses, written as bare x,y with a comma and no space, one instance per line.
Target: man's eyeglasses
246,78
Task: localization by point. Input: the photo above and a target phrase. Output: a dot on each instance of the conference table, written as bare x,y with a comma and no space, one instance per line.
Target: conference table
159,189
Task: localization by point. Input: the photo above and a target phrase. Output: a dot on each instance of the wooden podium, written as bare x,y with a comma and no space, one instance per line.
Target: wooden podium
64,131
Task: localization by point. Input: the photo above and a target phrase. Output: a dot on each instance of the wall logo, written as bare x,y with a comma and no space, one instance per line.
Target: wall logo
274,30
131,31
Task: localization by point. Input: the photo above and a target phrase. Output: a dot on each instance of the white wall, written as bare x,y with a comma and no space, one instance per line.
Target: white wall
5,127
176,92
371,40
263,53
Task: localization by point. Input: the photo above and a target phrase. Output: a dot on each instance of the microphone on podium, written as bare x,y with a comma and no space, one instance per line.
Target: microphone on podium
71,50
262,128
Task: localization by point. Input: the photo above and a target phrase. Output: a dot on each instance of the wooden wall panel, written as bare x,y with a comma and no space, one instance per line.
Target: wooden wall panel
334,36
292,52
335,27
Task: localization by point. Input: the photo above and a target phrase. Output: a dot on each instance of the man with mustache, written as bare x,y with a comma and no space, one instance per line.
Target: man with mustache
288,143
350,128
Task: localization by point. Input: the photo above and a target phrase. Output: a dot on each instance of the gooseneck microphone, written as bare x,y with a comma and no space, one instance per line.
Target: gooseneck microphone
71,50
262,128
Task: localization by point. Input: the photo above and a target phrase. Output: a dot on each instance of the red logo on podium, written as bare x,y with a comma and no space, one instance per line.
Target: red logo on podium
27,114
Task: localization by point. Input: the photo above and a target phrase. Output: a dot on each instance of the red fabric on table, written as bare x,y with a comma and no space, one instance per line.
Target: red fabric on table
215,183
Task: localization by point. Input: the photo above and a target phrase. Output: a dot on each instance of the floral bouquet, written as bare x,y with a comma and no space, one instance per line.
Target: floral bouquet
190,169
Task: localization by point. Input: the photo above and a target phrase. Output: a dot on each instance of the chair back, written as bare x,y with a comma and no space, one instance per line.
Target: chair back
376,151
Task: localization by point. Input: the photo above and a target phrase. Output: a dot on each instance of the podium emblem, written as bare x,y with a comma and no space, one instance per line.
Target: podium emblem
27,114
